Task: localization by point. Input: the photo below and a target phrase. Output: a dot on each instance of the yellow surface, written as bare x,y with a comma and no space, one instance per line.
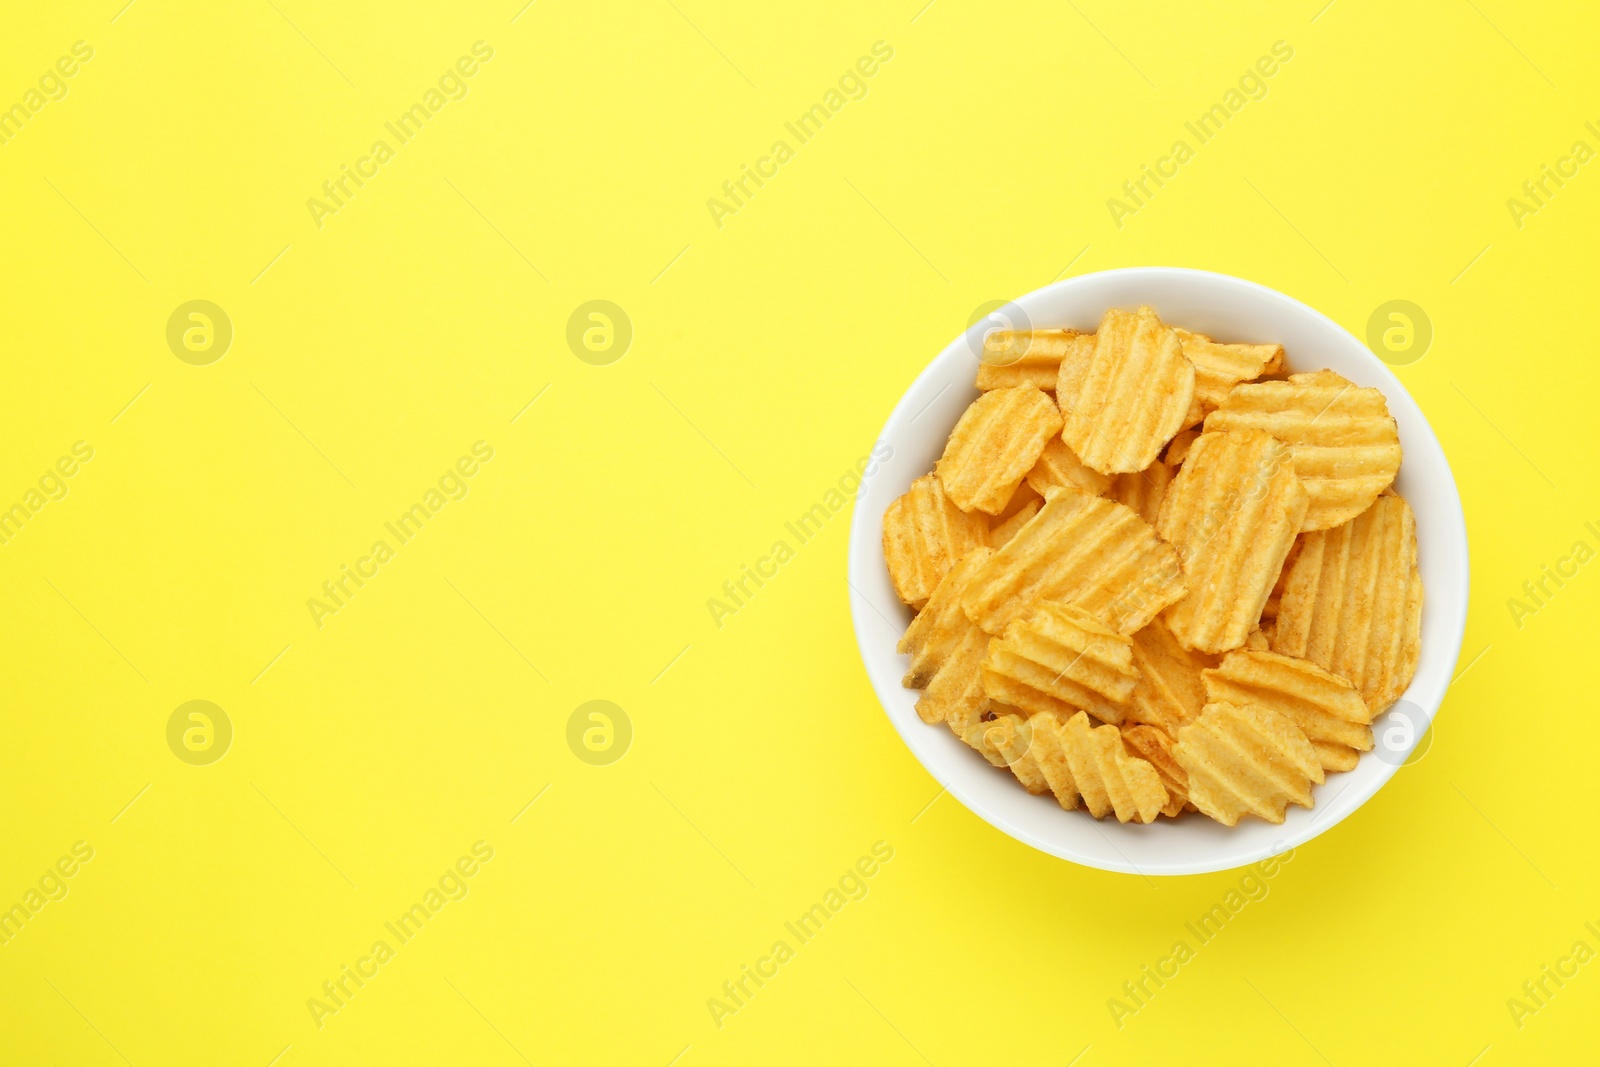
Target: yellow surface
370,753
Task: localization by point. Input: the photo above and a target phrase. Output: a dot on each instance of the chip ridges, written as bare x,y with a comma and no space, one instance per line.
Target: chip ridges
996,442
924,533
1245,759
1154,746
1131,396
1346,445
1232,513
1059,465
1219,367
947,650
1170,691
1109,777
1061,660
1326,708
1027,357
1082,550
1031,748
1352,602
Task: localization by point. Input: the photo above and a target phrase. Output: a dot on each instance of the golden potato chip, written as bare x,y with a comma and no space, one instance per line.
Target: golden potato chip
1057,465
1325,707
1074,363
923,534
1345,443
1132,395
1082,550
1232,513
1027,357
1060,659
1032,749
1219,367
1143,490
1109,777
1006,529
1352,602
947,649
1169,691
1241,758
996,442
1155,748
1257,641
1179,448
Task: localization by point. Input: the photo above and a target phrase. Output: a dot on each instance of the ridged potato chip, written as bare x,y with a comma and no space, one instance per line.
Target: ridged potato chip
1061,660
1058,465
1169,691
1219,367
1325,707
1346,445
1143,490
1232,513
923,534
1109,777
996,442
1132,395
1155,748
1028,357
1031,747
947,650
1352,602
1082,550
1245,759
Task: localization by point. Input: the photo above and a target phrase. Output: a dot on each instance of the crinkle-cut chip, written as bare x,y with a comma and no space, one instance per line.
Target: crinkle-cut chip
1219,367
1143,490
1061,660
1131,397
1346,445
1006,529
1352,602
1027,357
1257,641
1074,363
1169,691
923,534
996,442
1109,777
1325,707
1032,749
1245,759
1232,513
1082,550
947,650
1058,465
1182,441
1011,736
1155,748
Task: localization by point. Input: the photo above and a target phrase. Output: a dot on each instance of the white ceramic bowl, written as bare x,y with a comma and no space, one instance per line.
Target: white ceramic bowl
1229,309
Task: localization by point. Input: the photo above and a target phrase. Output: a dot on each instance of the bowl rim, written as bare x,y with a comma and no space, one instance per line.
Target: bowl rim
865,553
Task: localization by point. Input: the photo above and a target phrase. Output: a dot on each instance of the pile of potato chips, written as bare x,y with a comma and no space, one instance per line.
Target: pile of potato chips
1156,573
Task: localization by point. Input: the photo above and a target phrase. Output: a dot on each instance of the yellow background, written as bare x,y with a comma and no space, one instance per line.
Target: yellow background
424,716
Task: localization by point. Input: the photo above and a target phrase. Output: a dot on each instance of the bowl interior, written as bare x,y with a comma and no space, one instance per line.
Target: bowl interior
1228,309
